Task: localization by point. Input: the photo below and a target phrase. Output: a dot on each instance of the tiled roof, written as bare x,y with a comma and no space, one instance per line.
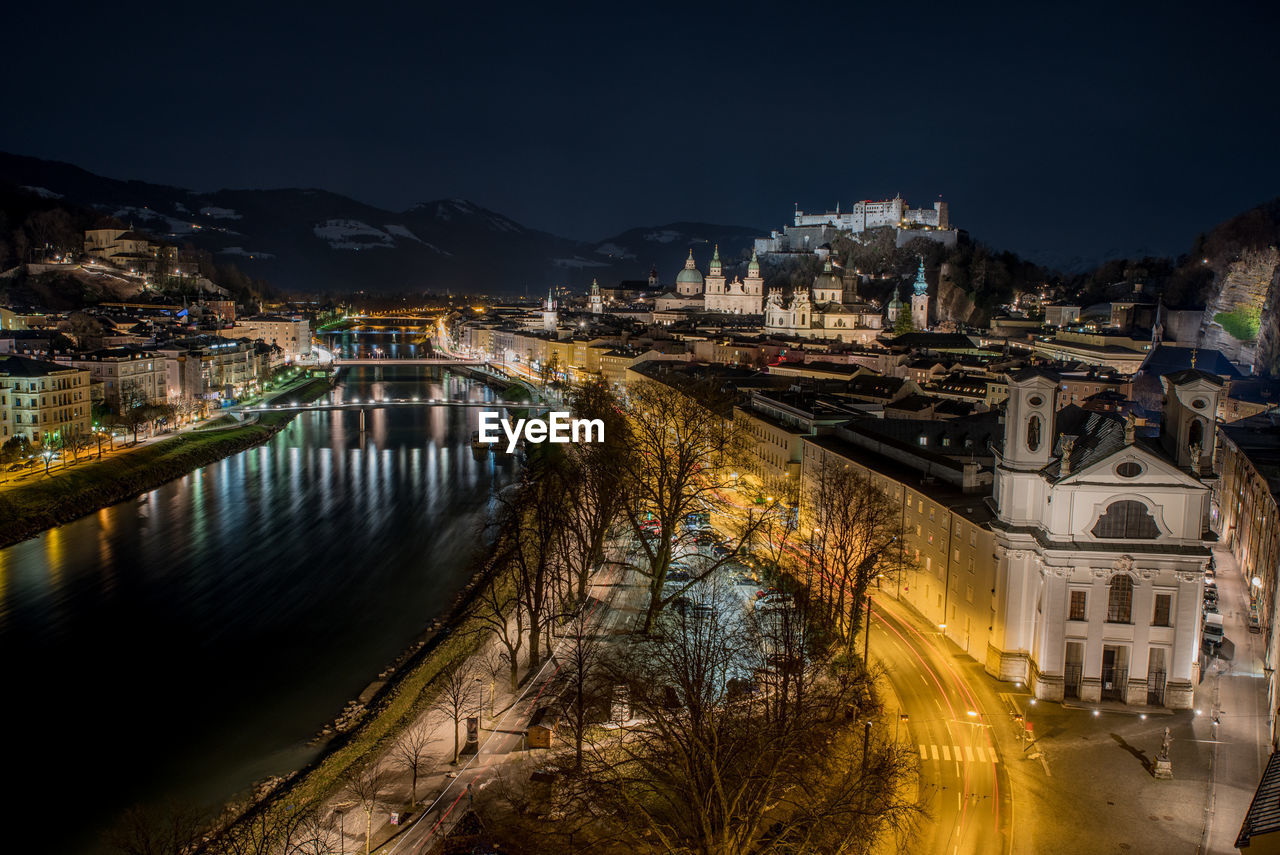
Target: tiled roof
1097,436
22,366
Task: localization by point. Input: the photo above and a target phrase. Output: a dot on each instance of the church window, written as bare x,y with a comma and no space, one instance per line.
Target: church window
1120,599
1079,603
1126,519
1033,433
1164,606
1129,469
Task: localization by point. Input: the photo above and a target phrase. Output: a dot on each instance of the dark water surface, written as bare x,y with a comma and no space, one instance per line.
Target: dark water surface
186,643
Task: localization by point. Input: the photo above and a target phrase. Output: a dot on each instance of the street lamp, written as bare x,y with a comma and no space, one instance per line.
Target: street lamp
47,454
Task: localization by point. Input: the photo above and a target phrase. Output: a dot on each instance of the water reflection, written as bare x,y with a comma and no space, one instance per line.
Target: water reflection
197,636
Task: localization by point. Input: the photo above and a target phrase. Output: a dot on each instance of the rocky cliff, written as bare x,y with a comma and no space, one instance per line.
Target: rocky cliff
1240,318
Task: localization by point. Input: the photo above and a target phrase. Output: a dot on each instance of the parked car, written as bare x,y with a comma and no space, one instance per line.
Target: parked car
1211,595
1213,632
721,551
705,538
677,574
773,601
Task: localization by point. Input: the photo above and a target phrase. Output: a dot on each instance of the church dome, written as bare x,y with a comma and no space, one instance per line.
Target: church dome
690,275
753,269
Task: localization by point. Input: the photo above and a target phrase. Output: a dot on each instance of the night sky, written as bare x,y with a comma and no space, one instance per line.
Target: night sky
1067,129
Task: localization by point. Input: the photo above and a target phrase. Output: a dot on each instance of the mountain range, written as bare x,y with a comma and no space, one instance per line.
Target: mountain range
317,241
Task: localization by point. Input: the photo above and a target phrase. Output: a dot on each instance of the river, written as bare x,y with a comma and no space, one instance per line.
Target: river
181,645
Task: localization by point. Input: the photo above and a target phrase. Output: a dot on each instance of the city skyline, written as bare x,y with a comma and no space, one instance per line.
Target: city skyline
582,126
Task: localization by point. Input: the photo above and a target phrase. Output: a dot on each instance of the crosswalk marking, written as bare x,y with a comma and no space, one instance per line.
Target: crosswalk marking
957,754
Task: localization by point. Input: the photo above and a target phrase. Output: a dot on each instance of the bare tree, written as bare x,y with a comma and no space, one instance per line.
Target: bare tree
411,753
593,491
530,544
457,697
492,664
707,771
500,609
170,829
269,829
683,449
855,529
579,657
368,788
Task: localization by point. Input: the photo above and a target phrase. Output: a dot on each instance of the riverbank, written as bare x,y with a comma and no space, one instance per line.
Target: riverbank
29,509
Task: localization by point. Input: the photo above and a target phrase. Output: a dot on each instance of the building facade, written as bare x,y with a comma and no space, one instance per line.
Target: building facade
44,402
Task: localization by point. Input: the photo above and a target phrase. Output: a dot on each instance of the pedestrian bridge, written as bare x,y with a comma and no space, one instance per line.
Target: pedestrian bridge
339,362
375,403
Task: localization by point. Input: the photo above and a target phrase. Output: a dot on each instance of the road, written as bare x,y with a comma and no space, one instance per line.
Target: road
951,727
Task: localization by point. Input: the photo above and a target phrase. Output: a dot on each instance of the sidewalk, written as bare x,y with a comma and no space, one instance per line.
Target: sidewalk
1235,722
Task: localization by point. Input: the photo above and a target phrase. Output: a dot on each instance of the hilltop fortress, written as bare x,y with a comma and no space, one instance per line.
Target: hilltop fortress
810,232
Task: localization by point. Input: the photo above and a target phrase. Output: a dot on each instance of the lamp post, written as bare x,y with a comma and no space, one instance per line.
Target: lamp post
47,454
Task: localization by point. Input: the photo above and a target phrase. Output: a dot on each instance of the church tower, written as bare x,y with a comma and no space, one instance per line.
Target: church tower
596,304
715,277
754,283
920,300
1191,403
895,308
550,320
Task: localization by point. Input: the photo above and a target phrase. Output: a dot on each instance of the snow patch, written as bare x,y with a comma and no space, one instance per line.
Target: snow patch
577,262
663,236
42,192
502,224
613,250
220,213
352,234
402,231
239,250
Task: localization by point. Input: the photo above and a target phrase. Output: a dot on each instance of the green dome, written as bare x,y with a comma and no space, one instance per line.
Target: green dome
754,267
690,275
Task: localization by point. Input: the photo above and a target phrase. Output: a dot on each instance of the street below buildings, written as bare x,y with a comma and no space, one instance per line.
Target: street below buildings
953,717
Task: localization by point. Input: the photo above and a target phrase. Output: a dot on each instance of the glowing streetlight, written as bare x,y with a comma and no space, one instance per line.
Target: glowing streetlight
47,454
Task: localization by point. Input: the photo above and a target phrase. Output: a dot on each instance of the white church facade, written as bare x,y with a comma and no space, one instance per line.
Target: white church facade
1101,545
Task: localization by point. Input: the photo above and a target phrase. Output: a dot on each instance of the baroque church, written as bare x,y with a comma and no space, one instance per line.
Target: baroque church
1101,541
715,293
822,312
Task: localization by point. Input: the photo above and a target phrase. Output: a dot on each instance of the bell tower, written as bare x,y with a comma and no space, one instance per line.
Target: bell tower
1029,419
920,300
596,305
1020,490
1191,402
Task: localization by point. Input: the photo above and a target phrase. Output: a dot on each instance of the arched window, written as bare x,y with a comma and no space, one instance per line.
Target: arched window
1033,433
1126,519
1197,434
1120,599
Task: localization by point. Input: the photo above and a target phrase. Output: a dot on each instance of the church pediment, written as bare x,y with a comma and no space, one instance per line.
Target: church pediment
1129,467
